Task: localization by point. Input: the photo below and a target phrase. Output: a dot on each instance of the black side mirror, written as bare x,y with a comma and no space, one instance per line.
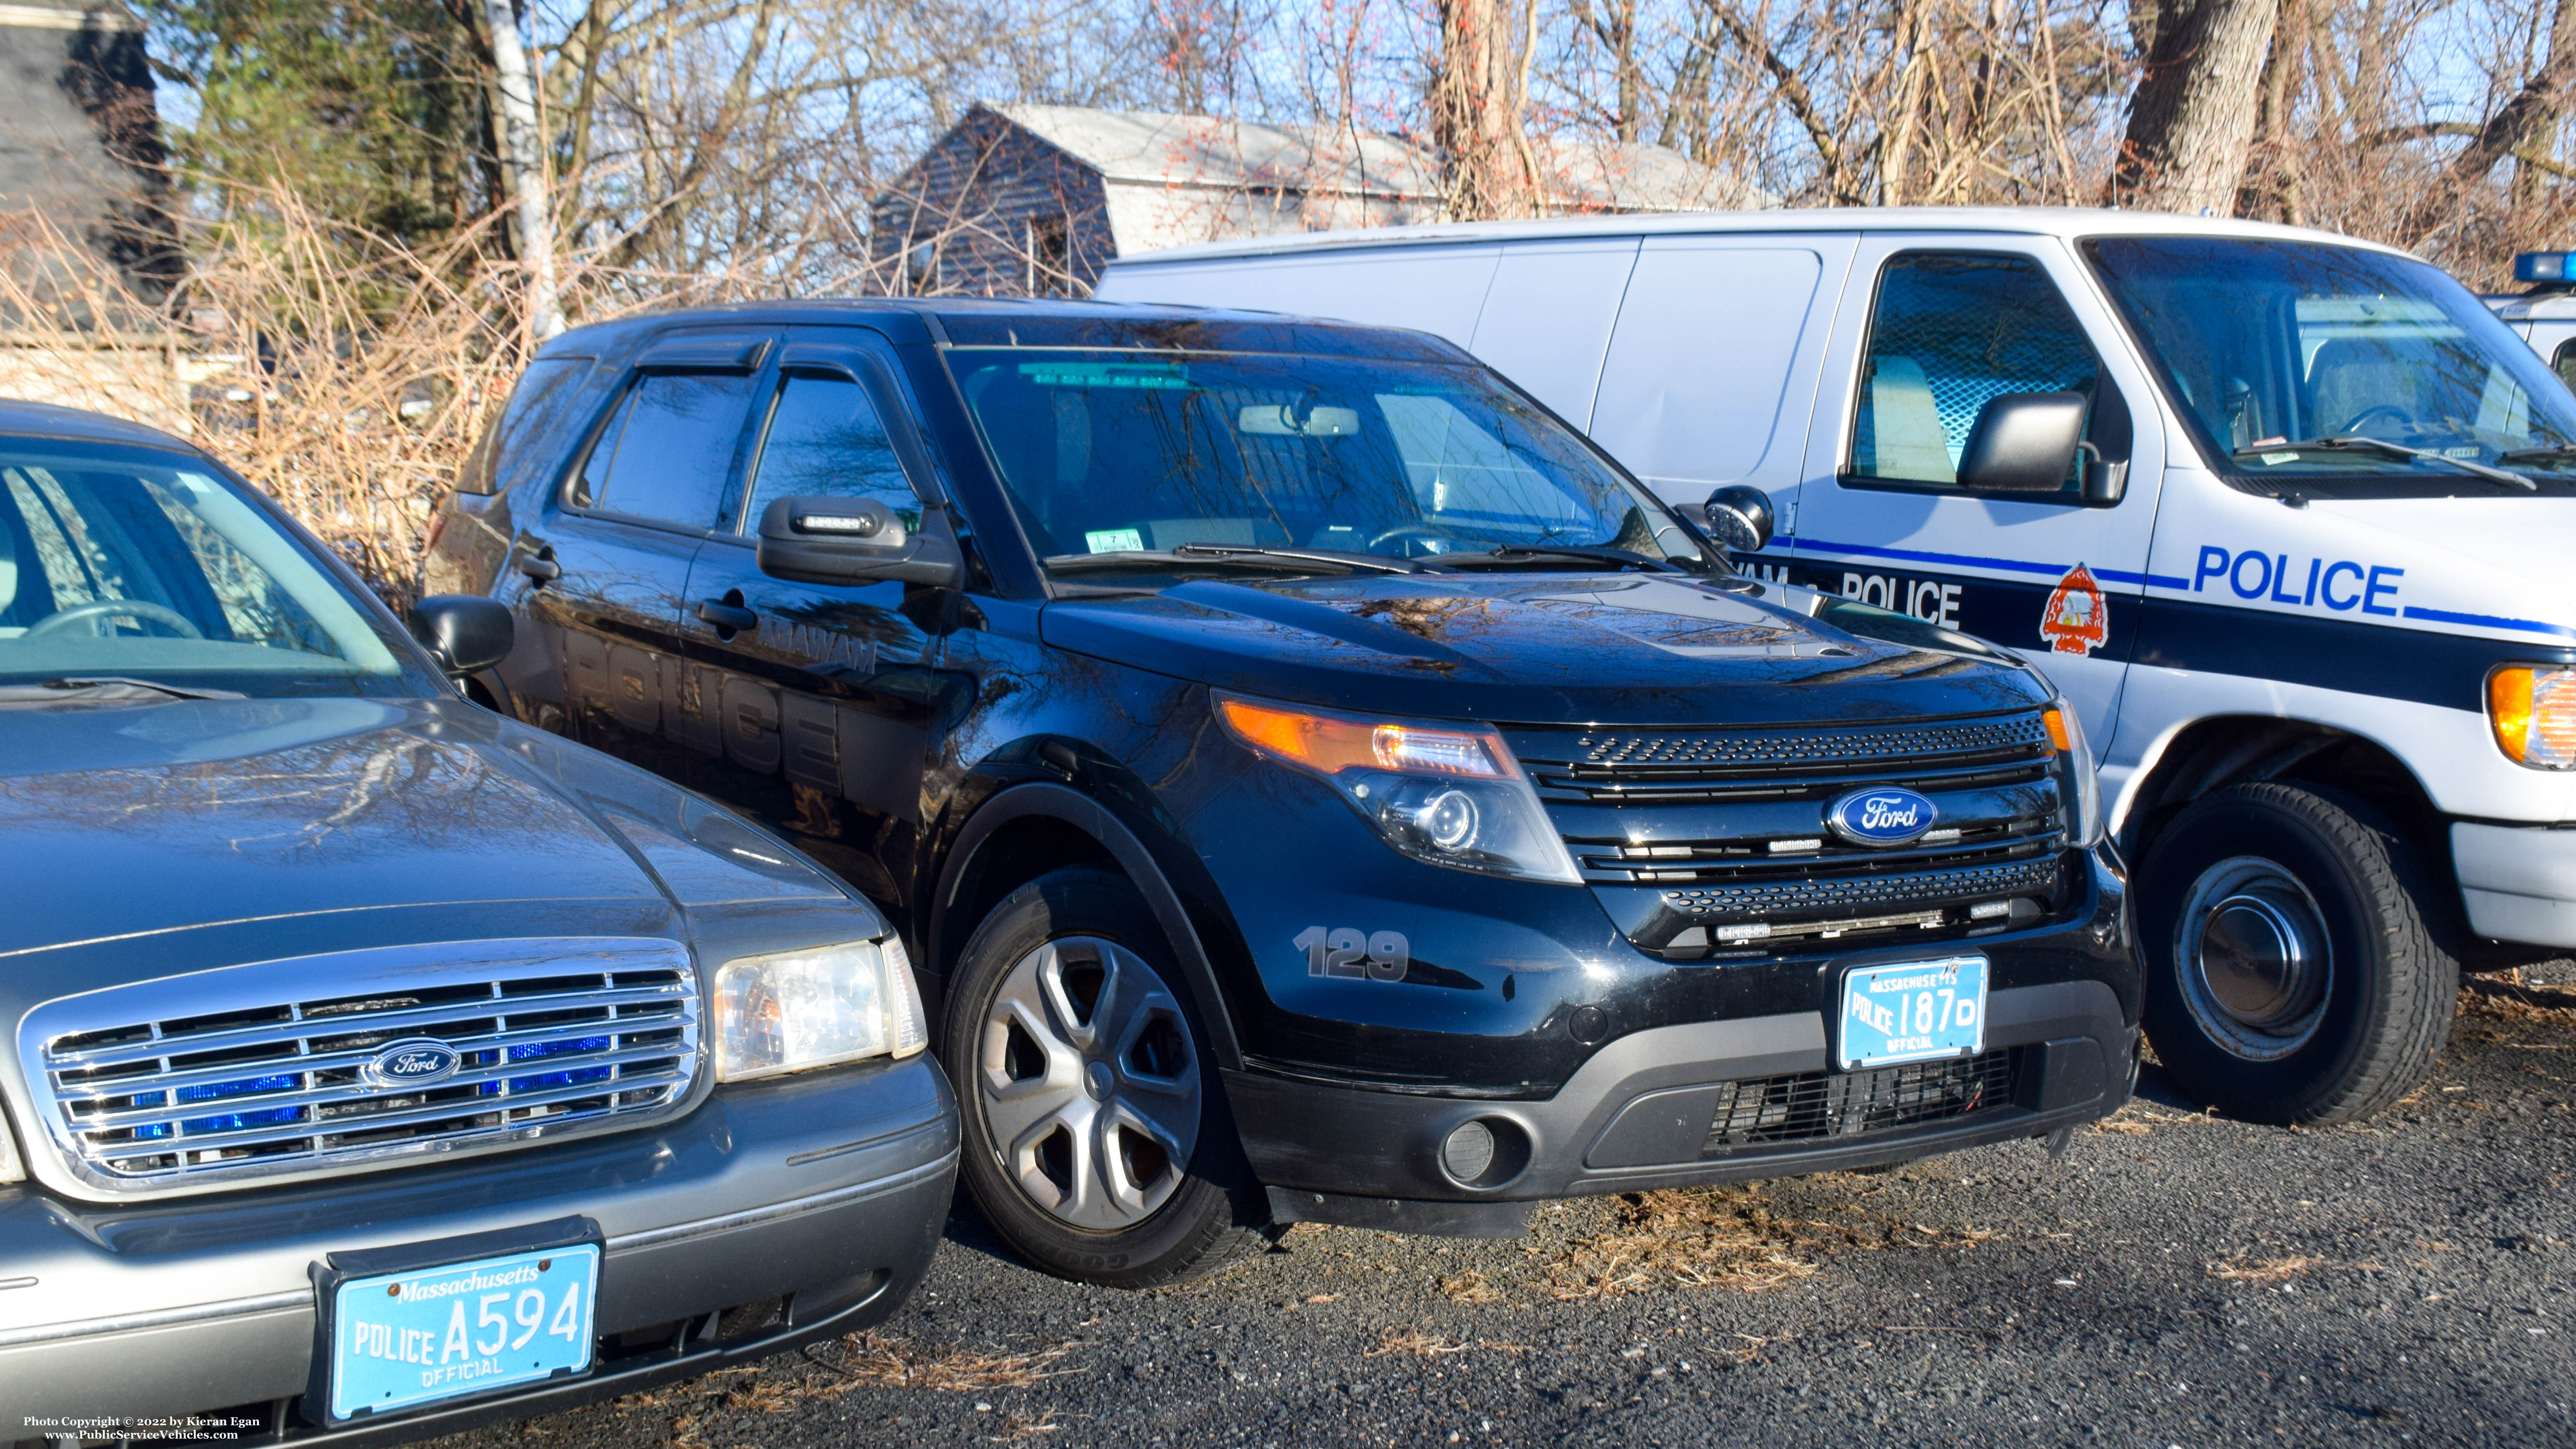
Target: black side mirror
1739,518
2024,442
466,631
851,541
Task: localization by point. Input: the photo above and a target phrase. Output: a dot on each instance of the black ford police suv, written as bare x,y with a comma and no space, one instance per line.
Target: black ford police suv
1314,782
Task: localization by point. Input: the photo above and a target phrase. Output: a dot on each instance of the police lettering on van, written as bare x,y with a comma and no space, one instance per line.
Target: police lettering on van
2287,516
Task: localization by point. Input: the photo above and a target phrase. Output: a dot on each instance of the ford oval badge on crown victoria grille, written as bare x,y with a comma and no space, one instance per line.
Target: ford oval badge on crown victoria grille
412,1062
1889,815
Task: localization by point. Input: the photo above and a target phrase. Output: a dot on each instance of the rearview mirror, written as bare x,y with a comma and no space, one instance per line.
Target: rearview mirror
2023,442
466,632
1739,518
851,541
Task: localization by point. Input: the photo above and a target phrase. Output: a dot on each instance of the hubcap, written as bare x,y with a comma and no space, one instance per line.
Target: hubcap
1088,1083
2254,957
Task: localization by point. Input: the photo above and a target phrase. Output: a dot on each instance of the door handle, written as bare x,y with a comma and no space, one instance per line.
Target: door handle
728,616
540,567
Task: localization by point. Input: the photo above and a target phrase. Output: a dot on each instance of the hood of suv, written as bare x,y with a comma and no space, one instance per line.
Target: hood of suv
1539,648
136,821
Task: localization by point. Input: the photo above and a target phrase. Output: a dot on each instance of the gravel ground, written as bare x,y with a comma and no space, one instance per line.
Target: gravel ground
2175,1279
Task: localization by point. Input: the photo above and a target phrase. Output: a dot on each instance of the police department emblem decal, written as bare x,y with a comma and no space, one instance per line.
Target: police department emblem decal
2077,619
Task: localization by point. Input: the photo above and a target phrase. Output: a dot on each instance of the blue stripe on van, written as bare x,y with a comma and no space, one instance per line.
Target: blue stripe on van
1968,560
2449,670
2490,621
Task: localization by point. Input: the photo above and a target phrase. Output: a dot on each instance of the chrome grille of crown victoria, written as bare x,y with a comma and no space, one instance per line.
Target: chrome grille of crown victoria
256,1072
1705,842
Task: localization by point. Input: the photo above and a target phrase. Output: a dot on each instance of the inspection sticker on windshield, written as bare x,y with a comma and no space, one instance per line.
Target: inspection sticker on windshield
1114,540
401,1340
1913,1011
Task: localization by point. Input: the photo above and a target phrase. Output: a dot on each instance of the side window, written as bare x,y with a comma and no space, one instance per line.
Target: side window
663,457
532,408
825,439
2563,362
1950,331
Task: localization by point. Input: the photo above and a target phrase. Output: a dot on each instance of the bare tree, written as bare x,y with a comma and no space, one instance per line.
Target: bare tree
2191,126
1476,114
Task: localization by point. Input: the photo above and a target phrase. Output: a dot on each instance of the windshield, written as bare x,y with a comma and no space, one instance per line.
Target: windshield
2267,345
1123,452
141,564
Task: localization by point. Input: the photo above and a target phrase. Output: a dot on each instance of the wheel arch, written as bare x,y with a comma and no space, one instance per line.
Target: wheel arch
1027,829
2210,754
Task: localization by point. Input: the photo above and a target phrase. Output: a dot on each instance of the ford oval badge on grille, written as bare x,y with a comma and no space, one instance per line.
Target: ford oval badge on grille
1890,815
414,1062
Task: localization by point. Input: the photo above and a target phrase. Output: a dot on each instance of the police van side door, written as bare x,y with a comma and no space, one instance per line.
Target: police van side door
1711,370
1931,328
814,702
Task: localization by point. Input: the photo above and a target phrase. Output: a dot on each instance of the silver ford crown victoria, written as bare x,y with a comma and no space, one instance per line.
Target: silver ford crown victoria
371,1064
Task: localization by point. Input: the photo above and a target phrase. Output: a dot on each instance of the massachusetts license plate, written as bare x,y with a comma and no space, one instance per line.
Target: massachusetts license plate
401,1340
1913,1011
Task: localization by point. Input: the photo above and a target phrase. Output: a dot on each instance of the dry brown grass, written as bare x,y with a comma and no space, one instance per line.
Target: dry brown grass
2507,998
2239,1268
885,1361
1697,1237
1470,1287
1417,1344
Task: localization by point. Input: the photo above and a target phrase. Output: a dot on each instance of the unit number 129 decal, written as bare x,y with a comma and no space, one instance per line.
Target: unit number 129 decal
1379,956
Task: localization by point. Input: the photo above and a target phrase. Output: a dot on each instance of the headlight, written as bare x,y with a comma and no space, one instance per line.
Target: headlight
2533,710
1448,794
800,1009
2075,776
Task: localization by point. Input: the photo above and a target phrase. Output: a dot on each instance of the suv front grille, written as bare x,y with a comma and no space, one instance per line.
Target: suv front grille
1715,840
257,1071
1805,1106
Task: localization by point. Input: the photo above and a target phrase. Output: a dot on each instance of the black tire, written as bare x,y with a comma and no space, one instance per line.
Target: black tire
1209,1210
2252,866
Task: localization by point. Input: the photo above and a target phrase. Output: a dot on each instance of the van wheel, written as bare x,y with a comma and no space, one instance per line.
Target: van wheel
2291,977
1097,1140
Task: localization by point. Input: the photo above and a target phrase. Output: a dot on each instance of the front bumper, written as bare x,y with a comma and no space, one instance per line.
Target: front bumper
2518,882
774,1213
1638,1115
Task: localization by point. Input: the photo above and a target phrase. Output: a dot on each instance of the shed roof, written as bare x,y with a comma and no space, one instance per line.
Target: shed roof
1147,148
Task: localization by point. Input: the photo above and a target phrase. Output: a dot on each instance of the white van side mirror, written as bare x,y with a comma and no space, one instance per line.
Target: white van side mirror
1739,518
2023,442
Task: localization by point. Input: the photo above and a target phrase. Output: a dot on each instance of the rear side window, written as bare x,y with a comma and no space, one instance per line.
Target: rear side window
664,456
534,406
825,439
1952,331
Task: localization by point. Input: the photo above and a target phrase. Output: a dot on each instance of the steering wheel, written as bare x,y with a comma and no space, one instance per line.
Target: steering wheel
2395,413
1421,531
112,608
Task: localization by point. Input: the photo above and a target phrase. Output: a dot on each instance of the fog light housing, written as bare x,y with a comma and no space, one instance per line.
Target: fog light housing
1468,1152
1484,1152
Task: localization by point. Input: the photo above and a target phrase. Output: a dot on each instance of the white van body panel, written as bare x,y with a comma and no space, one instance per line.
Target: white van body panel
2377,618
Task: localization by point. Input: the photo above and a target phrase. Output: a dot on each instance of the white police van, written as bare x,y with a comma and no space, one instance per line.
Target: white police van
2290,517
2545,316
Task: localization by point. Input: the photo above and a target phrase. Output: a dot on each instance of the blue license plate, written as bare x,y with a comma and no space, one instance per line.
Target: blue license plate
1913,1011
401,1340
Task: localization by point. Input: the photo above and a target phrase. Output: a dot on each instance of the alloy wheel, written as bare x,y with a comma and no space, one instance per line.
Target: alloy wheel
1088,1083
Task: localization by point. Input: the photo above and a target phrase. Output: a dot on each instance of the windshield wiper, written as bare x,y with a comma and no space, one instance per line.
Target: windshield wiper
1519,553
105,688
1325,556
1204,556
2387,449
2554,453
